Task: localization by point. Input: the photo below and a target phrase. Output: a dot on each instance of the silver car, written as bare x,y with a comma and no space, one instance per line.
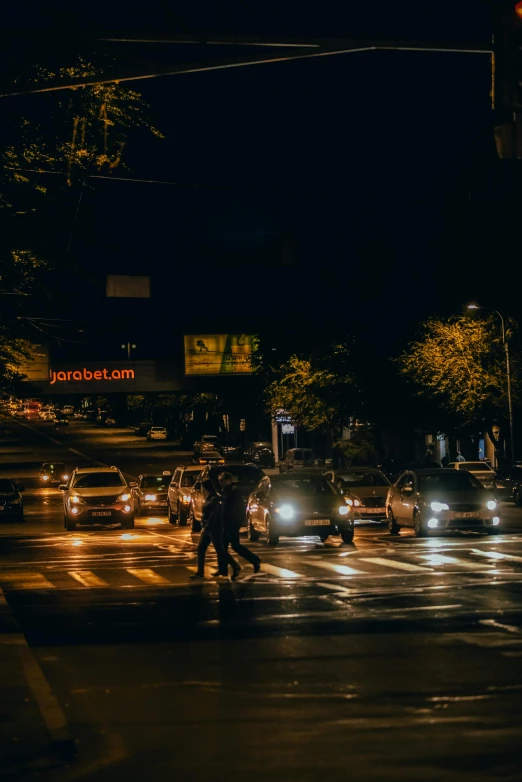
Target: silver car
481,470
430,500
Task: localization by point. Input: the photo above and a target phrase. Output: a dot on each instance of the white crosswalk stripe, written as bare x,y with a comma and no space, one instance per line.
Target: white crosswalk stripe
341,570
435,560
279,571
496,555
88,578
393,563
148,576
24,579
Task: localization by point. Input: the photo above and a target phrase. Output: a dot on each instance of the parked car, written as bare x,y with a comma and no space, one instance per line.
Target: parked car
247,476
442,499
365,490
97,495
141,429
507,485
157,433
260,453
150,493
61,419
481,470
208,442
11,502
297,504
208,457
53,472
297,458
231,449
178,498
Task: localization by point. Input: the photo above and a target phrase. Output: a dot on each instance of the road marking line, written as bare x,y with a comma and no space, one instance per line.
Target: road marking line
87,578
493,623
147,575
336,588
27,580
280,571
440,559
496,555
341,570
396,565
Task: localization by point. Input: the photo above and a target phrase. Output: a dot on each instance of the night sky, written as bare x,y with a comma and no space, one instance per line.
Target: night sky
350,194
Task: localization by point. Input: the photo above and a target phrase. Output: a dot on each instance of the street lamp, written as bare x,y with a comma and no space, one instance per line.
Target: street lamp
508,372
130,346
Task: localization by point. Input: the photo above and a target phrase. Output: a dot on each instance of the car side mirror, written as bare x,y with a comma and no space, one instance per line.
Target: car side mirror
133,484
63,487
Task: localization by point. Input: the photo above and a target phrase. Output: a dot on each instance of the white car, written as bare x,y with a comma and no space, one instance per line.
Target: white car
97,495
481,470
157,433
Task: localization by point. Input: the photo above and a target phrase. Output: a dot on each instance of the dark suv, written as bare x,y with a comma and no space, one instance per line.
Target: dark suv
260,453
247,476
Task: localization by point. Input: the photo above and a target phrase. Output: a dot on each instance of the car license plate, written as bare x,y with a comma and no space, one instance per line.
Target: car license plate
372,510
102,513
317,523
467,515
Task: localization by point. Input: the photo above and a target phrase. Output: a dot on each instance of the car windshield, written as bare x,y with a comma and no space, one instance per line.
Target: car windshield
370,478
475,467
304,484
53,467
93,480
244,475
6,485
155,481
157,429
449,481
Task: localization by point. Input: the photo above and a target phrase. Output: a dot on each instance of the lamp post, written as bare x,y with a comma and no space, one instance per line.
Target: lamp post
508,372
129,346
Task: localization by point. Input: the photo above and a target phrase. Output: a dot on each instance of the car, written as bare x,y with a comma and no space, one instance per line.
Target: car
157,433
508,485
297,504
260,453
140,430
109,421
150,493
481,470
517,493
97,495
297,458
365,489
68,409
53,472
178,499
208,457
208,442
231,449
443,499
11,502
61,419
247,476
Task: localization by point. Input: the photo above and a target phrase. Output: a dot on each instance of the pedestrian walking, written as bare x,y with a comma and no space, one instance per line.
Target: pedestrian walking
211,532
460,458
445,461
233,516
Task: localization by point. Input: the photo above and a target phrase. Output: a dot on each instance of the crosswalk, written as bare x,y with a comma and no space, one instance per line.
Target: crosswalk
352,572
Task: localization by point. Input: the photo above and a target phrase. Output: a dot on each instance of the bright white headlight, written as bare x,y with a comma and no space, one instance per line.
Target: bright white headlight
124,497
151,497
75,499
286,512
438,506
492,504
344,510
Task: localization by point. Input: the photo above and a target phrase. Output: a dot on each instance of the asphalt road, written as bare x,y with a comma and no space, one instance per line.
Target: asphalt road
389,659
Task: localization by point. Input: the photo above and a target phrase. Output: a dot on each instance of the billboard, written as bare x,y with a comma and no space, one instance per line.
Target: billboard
218,354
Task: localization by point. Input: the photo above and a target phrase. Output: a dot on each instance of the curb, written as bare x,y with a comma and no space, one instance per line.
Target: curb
55,720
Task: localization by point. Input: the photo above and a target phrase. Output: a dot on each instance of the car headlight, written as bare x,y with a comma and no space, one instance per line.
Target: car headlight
75,499
344,510
286,512
124,497
150,497
438,506
65,477
491,505
45,477
185,498
351,502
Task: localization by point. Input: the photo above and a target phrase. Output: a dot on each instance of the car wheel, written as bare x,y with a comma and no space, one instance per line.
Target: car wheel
518,498
271,538
170,515
253,534
182,517
195,526
420,530
347,535
392,524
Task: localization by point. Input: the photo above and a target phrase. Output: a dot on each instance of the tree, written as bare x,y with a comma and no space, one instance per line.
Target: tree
319,392
460,361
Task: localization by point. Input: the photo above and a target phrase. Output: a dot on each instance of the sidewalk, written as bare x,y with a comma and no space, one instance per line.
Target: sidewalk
25,743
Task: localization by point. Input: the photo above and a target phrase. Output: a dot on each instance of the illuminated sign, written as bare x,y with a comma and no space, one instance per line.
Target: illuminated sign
87,374
218,354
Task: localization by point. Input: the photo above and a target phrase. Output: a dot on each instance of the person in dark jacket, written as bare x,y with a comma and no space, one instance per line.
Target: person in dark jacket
211,532
233,516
